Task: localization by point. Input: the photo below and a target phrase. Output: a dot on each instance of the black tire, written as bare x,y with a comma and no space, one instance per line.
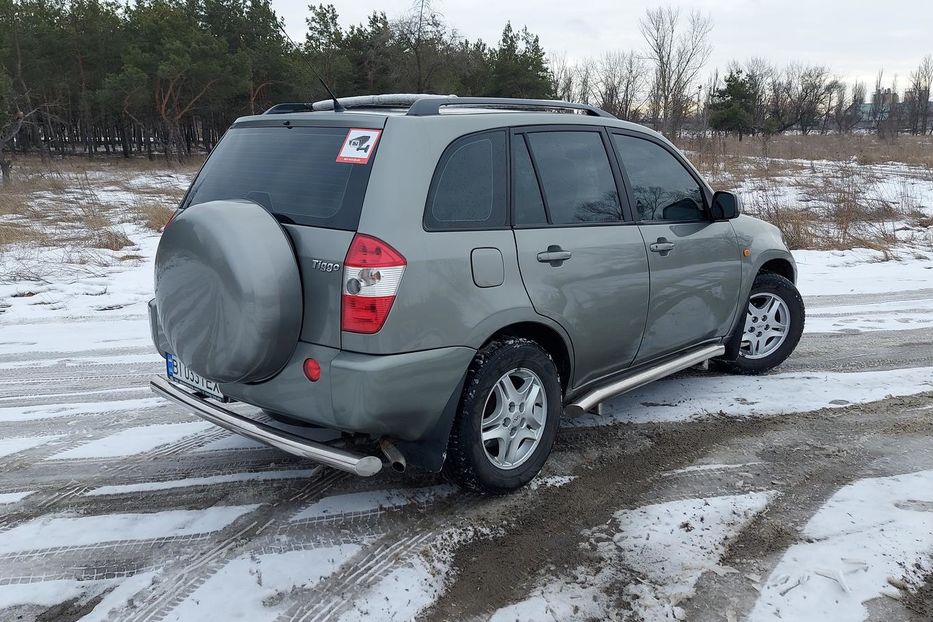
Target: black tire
467,461
777,285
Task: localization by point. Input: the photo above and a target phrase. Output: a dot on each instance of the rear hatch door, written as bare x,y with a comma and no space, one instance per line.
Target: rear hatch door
311,173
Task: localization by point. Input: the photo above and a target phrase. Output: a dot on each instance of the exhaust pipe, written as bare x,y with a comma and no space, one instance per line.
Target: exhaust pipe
396,459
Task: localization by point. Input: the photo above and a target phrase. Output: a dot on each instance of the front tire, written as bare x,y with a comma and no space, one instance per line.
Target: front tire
774,319
508,417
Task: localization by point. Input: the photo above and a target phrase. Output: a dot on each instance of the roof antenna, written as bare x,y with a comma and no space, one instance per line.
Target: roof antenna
338,107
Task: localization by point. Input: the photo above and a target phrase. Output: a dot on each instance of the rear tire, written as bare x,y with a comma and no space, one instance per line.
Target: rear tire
507,419
774,319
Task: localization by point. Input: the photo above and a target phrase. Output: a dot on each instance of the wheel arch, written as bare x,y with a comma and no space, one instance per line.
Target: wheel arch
548,338
781,267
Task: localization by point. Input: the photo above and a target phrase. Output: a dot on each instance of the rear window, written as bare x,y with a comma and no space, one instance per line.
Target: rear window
291,171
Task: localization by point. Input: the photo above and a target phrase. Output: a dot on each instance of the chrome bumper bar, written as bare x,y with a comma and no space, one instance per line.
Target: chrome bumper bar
280,439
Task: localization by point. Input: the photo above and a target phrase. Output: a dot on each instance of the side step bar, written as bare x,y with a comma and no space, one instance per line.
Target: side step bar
280,439
586,401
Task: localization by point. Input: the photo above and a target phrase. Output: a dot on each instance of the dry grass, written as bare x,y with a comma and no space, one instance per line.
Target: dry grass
799,226
838,207
32,166
822,191
79,203
864,149
153,214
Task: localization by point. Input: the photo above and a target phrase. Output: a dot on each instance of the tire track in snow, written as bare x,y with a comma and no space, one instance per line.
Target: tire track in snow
359,573
197,567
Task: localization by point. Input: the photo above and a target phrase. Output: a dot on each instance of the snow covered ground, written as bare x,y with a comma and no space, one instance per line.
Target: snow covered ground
115,505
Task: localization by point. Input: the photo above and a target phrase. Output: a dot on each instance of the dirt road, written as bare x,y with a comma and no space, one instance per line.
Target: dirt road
116,505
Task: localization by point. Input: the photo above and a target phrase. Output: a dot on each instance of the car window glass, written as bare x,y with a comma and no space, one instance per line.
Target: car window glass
663,189
290,171
529,206
576,177
469,189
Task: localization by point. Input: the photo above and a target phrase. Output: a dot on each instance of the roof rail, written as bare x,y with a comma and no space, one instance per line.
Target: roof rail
432,106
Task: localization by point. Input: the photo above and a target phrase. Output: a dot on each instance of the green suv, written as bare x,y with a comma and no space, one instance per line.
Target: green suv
434,281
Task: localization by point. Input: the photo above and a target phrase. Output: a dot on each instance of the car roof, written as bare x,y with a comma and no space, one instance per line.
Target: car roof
473,113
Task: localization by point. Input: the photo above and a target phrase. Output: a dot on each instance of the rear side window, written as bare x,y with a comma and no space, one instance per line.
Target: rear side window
576,177
528,204
469,186
291,171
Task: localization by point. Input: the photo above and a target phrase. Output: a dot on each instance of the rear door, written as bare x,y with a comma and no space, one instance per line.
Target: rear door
582,259
695,262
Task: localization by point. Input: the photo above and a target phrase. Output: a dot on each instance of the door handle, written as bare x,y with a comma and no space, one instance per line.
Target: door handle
554,255
661,246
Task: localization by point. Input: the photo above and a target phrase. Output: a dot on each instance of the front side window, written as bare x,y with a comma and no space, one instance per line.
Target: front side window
469,187
576,177
663,189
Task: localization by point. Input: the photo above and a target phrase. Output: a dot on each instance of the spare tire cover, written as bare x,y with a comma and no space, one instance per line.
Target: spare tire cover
228,291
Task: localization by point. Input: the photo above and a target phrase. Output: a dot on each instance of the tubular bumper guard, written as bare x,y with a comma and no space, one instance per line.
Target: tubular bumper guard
280,439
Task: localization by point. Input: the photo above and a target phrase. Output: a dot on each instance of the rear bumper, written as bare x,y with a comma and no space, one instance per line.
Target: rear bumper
402,396
291,443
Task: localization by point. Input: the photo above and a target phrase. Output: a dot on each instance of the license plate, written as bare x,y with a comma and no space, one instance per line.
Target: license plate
179,372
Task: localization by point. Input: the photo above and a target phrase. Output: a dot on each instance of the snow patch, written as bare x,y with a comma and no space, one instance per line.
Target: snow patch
550,481
859,271
246,588
14,497
669,545
47,593
83,361
120,489
133,441
896,315
10,446
372,501
12,414
120,596
868,531
67,531
707,467
414,584
686,398
76,335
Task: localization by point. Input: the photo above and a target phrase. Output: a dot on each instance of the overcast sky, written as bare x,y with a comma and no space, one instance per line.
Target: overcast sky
853,38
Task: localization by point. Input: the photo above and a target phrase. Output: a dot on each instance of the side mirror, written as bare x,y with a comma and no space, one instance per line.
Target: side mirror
726,206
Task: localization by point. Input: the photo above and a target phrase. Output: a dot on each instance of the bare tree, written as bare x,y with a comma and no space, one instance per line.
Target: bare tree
758,72
848,112
678,54
620,83
921,81
562,74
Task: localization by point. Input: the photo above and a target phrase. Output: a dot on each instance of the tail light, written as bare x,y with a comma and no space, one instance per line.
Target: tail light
372,272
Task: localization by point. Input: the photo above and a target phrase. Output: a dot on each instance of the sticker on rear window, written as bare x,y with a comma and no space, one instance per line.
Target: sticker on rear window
358,146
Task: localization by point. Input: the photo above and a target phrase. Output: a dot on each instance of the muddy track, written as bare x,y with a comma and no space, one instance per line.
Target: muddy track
805,457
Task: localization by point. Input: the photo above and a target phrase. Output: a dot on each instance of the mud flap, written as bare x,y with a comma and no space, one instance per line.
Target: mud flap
733,342
430,452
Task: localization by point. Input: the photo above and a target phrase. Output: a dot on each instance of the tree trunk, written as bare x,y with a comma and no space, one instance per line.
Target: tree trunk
6,171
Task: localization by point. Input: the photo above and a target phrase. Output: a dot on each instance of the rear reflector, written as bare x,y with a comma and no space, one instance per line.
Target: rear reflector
371,276
312,370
